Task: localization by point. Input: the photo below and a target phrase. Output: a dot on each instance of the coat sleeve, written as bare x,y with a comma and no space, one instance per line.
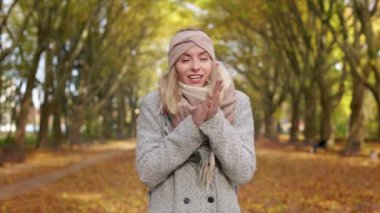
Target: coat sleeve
157,155
232,144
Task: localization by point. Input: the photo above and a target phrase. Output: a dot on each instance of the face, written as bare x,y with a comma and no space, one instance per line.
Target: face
194,67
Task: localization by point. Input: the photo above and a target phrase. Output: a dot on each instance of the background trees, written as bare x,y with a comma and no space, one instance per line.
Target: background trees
318,52
75,71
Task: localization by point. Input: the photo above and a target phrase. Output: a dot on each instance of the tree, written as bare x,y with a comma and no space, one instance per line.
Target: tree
353,20
42,28
245,42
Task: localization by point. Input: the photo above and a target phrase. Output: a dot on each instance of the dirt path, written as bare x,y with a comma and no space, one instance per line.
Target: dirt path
27,185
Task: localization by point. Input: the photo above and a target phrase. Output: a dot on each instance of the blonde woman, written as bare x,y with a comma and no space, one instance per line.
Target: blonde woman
195,134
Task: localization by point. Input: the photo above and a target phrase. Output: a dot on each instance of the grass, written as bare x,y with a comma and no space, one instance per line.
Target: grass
30,140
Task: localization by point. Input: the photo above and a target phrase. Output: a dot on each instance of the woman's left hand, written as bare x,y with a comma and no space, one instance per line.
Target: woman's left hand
200,115
213,99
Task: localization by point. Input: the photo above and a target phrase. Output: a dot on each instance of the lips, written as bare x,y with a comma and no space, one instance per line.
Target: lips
195,76
195,79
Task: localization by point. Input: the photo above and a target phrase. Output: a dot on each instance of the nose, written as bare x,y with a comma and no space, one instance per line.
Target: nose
195,66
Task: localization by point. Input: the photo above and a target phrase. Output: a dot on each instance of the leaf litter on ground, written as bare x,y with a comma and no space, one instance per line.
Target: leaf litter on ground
287,180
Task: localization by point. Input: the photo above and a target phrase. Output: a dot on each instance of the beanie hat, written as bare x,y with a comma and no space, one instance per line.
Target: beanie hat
184,40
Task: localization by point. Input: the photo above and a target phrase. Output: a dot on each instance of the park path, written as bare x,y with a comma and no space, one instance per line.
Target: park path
9,191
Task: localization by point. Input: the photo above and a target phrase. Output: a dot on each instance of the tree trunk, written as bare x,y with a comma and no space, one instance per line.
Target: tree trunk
121,124
378,116
57,130
357,118
107,119
76,120
21,122
257,123
270,125
132,123
311,129
59,105
42,140
26,101
327,128
378,121
326,123
42,36
295,118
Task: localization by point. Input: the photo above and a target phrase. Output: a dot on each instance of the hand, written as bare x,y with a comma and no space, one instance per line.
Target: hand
200,114
213,99
209,107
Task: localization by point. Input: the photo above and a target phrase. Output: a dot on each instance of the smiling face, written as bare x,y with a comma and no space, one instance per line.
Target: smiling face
194,67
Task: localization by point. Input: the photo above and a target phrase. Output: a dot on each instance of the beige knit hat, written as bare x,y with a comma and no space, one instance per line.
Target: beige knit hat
184,40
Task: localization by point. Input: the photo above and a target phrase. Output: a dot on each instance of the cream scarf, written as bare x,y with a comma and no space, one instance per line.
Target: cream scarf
192,97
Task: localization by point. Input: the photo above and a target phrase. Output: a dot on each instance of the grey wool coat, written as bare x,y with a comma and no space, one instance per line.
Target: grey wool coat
168,163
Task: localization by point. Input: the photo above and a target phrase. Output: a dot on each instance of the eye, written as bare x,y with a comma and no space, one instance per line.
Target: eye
204,57
185,59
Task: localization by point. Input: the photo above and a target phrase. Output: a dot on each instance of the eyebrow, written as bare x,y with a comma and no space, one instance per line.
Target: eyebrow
204,52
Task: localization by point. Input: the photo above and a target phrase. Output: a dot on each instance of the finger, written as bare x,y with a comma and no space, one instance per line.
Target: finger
217,89
211,99
218,85
211,105
210,109
214,101
217,95
201,114
212,112
203,106
214,106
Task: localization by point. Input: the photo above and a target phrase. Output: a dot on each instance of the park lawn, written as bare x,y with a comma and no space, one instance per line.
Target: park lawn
286,180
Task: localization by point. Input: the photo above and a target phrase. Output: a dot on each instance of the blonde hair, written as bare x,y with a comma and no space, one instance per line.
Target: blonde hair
169,90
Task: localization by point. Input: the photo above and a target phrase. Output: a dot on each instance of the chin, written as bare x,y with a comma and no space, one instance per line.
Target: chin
197,84
200,83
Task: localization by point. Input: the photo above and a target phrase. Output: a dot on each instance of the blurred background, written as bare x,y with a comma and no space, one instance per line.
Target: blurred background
74,72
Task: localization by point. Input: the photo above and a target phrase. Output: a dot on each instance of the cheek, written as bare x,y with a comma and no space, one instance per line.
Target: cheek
181,71
181,67
208,69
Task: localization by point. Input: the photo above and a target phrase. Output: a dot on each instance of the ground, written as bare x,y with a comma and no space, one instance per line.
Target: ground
288,179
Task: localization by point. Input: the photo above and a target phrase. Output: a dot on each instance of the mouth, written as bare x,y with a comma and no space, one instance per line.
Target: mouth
195,77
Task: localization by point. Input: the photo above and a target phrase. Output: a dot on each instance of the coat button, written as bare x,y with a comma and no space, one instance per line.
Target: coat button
186,200
210,199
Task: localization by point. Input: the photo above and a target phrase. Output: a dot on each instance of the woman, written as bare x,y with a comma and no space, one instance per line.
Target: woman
195,134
